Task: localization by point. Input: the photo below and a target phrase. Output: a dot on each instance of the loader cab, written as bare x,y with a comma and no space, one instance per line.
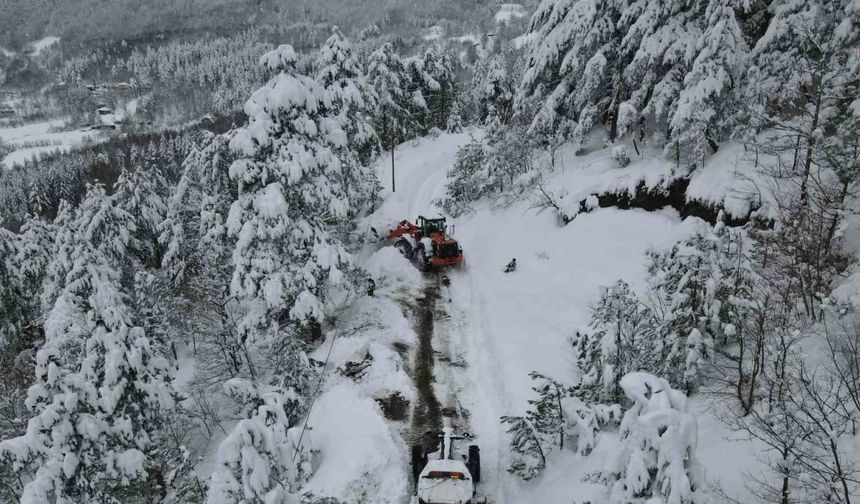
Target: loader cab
429,226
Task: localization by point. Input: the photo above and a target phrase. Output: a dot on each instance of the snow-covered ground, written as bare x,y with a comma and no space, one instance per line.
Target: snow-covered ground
508,12
31,139
499,326
40,45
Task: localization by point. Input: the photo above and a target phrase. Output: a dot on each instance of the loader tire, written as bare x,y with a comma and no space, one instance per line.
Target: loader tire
419,460
424,263
404,247
473,463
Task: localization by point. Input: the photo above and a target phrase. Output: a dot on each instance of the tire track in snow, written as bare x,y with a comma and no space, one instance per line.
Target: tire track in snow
426,410
485,394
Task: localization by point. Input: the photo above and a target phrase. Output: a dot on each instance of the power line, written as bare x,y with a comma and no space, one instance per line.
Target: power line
327,357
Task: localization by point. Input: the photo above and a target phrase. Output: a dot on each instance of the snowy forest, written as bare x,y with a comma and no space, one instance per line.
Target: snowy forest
645,289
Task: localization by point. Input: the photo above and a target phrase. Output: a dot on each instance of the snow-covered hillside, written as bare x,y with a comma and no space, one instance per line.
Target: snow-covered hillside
32,139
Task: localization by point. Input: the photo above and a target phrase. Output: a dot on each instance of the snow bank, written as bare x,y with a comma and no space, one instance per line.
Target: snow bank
388,268
727,179
361,458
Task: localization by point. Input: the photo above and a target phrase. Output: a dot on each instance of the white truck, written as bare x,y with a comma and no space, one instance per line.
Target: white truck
447,480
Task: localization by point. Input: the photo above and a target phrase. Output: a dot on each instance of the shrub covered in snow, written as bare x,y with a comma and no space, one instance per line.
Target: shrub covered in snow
656,462
261,460
620,156
555,419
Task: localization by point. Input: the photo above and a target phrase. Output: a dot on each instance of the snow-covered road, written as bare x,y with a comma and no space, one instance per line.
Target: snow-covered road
502,326
468,381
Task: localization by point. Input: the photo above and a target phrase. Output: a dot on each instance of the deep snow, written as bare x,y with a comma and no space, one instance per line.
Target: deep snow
495,327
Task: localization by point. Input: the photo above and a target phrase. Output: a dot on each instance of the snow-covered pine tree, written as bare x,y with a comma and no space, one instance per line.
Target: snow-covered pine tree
707,103
260,461
688,278
201,197
622,338
530,446
658,41
455,118
13,319
438,85
466,179
100,385
33,255
24,261
140,191
103,223
290,200
569,66
355,102
492,90
656,462
553,420
394,122
509,151
547,412
60,253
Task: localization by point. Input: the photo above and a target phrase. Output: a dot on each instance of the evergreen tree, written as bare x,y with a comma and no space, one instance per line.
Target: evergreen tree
13,320
466,179
103,224
656,461
567,68
492,90
140,191
622,338
61,259
707,103
394,122
553,420
202,195
260,461
688,278
356,103
33,255
530,446
290,199
100,386
434,76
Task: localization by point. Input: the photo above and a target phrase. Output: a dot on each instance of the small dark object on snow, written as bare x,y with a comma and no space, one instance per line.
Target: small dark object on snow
446,281
371,287
512,266
356,370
